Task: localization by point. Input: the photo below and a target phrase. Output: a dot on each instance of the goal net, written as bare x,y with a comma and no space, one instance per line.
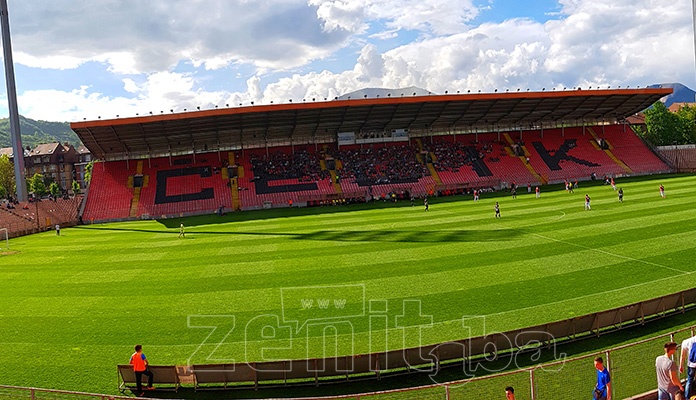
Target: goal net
4,239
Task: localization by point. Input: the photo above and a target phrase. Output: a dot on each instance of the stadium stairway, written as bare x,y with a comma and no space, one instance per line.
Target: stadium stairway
632,150
535,174
233,181
136,190
608,151
336,186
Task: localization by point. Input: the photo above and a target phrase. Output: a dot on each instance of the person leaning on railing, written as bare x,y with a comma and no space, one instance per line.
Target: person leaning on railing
668,384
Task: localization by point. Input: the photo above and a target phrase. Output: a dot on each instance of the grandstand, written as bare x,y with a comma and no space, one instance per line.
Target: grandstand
356,150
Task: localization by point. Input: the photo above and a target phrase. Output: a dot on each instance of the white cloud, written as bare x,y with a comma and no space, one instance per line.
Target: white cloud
623,42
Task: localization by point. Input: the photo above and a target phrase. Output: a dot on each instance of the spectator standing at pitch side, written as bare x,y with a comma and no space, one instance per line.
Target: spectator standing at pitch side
140,364
667,378
686,358
602,390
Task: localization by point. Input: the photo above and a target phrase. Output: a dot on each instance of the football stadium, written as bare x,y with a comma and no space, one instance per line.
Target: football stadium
397,247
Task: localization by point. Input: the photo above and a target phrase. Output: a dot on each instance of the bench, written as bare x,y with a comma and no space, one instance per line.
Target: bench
163,375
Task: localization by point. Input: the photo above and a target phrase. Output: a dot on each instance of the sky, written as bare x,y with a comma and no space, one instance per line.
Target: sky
89,59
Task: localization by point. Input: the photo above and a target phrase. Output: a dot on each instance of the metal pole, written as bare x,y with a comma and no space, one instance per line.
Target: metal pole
532,384
693,8
18,151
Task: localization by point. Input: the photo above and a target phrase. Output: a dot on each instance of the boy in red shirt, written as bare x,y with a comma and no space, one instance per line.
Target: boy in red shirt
139,363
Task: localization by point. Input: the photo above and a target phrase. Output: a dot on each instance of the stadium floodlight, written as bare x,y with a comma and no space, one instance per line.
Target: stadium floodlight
13,108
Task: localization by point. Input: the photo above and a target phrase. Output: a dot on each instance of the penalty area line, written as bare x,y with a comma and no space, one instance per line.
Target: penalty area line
612,254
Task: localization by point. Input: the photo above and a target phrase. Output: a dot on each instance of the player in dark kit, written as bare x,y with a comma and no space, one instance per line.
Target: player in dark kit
620,195
497,210
425,203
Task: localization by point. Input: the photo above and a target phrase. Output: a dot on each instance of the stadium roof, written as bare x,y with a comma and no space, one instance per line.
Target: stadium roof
311,122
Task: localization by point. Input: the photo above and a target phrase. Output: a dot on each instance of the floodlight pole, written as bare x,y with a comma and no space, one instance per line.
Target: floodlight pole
693,9
17,149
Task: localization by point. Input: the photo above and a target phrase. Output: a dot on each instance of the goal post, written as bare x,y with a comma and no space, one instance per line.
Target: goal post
4,239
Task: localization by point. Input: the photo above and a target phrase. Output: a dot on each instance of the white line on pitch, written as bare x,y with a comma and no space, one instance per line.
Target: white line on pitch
611,254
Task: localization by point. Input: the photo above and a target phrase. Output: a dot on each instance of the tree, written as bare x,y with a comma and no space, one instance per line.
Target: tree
54,189
688,115
88,171
667,128
7,182
76,187
37,185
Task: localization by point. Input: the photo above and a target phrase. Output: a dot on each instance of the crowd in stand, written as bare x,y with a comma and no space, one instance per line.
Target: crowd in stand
301,164
451,156
381,166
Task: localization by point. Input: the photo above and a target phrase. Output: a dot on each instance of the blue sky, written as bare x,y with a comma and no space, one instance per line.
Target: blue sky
77,59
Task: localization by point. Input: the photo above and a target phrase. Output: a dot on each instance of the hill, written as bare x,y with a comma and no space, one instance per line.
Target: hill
36,132
682,94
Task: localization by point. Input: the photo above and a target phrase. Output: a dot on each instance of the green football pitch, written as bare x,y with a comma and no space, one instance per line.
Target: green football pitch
299,283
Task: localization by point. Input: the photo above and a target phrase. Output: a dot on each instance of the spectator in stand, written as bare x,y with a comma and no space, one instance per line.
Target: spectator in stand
688,358
668,383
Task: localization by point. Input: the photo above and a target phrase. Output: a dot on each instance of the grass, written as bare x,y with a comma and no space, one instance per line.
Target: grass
74,305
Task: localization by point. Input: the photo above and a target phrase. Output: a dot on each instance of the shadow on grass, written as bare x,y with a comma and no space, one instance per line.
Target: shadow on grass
446,236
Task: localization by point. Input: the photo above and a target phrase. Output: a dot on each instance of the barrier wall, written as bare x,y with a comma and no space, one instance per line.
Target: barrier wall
682,158
429,358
